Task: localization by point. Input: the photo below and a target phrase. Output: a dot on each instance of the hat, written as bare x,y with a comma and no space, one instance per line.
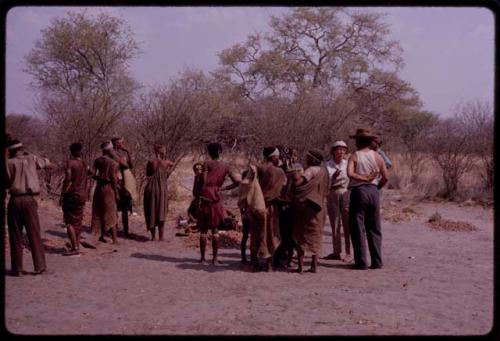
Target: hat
270,151
339,144
363,133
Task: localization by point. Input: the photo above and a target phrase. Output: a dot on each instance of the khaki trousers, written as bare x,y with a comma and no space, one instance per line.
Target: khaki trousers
23,211
338,213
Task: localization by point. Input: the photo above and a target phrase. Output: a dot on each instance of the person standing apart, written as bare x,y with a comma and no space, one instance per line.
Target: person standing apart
368,174
156,191
104,208
338,201
22,209
212,210
309,193
74,195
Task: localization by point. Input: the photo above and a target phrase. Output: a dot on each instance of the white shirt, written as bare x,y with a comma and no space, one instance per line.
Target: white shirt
366,164
342,179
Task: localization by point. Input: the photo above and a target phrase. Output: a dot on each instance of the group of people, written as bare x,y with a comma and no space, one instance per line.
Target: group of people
283,204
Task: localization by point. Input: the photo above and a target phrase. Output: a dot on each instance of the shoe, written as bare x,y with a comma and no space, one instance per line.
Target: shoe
348,259
359,267
39,272
333,256
375,266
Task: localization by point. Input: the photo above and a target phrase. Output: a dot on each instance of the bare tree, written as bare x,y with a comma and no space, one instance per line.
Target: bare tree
80,67
477,116
412,128
184,115
450,147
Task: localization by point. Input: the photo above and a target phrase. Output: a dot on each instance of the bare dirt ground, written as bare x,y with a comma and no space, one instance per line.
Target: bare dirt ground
434,282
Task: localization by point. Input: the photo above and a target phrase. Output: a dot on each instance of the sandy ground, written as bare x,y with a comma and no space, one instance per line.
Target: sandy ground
433,283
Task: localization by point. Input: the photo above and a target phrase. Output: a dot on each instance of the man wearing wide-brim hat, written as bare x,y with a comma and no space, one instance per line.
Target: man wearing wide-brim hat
368,174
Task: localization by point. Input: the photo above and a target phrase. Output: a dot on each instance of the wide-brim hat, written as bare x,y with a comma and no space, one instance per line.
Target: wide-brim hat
363,133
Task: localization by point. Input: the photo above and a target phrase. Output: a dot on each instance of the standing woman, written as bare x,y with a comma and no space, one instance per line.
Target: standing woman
309,193
212,210
155,192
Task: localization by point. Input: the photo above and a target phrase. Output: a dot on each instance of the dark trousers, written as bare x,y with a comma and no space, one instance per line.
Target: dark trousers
364,218
23,211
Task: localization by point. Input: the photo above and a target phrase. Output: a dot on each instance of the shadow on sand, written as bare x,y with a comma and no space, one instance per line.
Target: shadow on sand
194,264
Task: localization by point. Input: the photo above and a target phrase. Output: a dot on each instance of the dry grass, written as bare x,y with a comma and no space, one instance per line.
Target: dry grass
396,214
429,183
451,225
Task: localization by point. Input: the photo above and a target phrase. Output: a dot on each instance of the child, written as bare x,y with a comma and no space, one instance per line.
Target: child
197,186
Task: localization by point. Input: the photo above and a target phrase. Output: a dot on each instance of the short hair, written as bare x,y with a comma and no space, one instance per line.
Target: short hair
214,149
316,156
364,141
159,146
267,151
76,148
116,139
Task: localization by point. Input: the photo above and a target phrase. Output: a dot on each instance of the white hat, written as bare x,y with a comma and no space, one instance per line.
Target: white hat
339,144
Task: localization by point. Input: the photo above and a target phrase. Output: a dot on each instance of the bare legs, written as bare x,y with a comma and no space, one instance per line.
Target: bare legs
203,246
74,239
215,247
300,258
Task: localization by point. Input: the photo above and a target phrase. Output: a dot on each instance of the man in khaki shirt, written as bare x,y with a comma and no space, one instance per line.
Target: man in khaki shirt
22,209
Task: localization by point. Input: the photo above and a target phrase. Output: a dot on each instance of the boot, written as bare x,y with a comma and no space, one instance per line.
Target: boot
153,232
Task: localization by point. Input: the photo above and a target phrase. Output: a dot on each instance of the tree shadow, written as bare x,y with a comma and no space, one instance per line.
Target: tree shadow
160,258
347,266
133,236
193,264
57,233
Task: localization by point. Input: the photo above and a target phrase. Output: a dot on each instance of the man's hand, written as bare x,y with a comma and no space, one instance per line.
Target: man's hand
370,177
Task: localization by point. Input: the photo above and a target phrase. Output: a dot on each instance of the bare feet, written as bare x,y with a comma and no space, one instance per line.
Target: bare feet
347,259
215,261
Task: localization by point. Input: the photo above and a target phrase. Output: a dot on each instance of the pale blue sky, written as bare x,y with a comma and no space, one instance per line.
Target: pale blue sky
448,52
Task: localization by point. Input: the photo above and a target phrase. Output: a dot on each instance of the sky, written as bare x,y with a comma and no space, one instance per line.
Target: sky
448,52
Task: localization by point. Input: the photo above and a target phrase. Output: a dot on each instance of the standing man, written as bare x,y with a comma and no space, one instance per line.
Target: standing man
338,201
212,210
74,195
363,168
271,180
377,146
126,181
309,193
106,195
22,209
